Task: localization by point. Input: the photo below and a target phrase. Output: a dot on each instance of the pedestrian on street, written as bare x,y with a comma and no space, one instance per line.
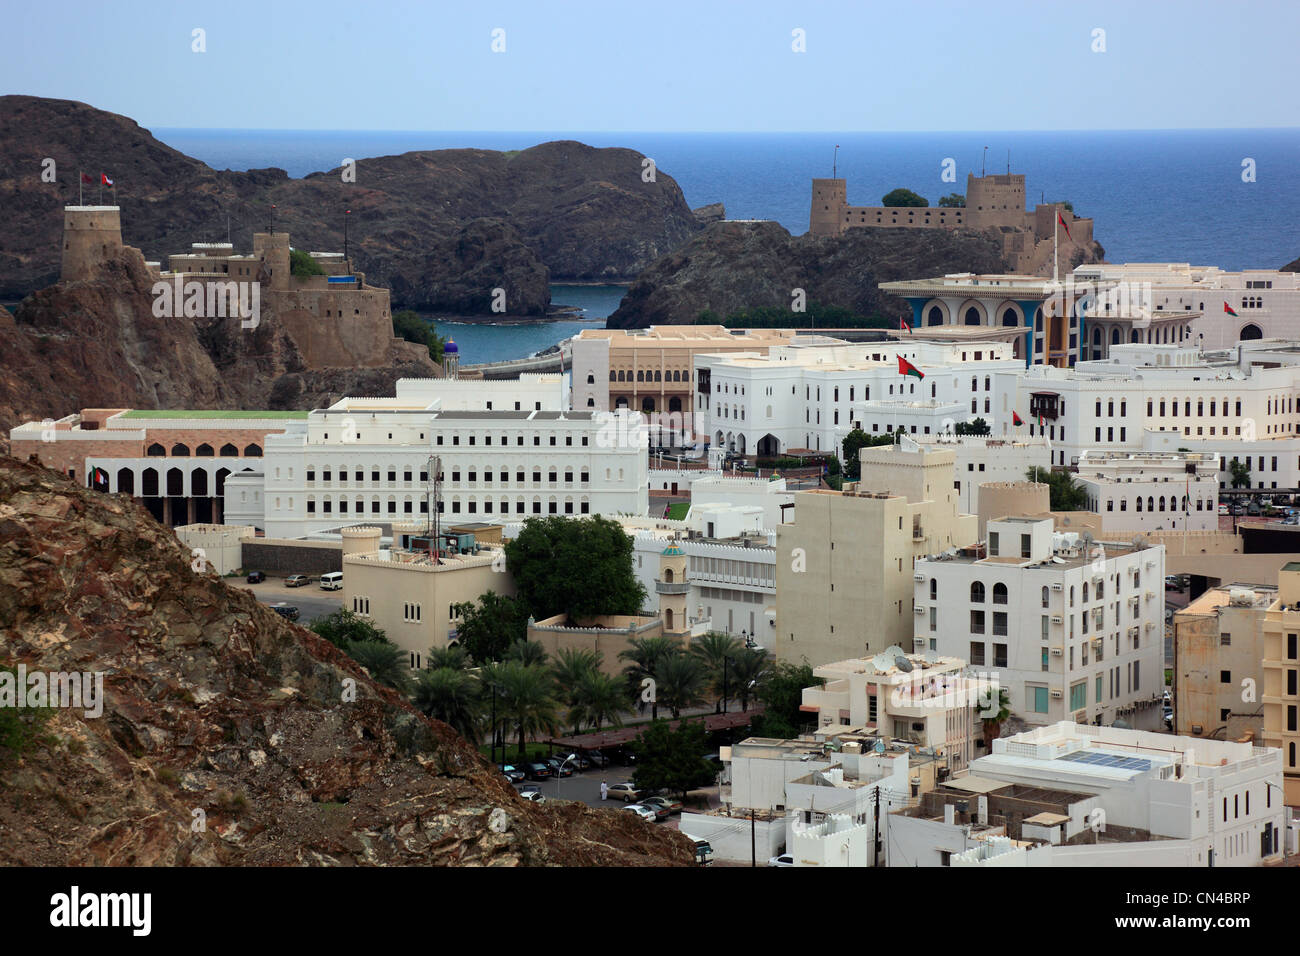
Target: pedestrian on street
604,789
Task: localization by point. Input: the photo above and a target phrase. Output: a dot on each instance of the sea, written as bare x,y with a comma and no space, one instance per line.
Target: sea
1229,198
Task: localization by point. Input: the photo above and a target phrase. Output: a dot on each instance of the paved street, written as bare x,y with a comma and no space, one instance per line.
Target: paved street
310,600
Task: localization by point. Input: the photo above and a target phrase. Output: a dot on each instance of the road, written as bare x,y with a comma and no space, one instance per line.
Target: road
310,600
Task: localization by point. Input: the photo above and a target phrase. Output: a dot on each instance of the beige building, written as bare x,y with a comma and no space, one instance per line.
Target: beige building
931,704
1281,696
407,593
650,370
607,634
844,565
1218,663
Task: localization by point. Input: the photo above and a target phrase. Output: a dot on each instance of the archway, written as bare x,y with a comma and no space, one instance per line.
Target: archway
1251,331
674,404
1009,317
125,481
768,446
934,316
973,317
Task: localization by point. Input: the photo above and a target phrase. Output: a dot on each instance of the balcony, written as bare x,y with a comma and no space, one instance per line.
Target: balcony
666,587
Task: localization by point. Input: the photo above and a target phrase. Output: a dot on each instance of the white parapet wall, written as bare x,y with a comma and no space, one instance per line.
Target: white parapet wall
220,545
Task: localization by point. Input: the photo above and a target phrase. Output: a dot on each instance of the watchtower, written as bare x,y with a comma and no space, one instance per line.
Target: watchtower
829,199
92,235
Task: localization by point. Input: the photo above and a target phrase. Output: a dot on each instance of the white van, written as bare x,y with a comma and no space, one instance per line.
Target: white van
332,581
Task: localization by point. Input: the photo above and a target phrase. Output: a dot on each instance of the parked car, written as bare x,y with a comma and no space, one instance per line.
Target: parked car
784,860
513,775
1169,720
1237,511
1173,582
596,758
703,850
526,788
534,796
256,577
668,803
297,581
1223,509
538,771
625,792
645,813
286,611
332,581
559,767
1253,508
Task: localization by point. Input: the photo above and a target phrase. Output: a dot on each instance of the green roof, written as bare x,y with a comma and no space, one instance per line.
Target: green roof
207,413
1291,566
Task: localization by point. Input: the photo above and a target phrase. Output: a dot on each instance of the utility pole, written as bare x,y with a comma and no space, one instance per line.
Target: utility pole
753,841
875,859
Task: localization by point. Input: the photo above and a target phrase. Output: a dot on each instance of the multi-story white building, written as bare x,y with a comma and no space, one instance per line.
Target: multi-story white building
1073,628
981,459
1241,405
1266,301
1151,491
368,460
811,397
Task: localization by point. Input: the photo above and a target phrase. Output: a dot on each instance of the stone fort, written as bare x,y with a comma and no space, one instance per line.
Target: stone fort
994,203
336,319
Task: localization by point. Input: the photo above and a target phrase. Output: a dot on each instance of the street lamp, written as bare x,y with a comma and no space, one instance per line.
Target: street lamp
560,770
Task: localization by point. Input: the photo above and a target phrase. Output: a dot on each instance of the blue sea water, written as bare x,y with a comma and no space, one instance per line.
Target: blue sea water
1161,195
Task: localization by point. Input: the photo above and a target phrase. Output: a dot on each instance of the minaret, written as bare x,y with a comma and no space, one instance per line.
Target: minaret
450,360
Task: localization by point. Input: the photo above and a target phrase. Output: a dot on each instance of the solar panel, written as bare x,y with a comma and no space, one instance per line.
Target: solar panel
1102,759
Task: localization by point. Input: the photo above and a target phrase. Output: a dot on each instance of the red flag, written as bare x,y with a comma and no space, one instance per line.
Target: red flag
104,180
87,179
1061,220
1015,419
1227,308
904,327
907,368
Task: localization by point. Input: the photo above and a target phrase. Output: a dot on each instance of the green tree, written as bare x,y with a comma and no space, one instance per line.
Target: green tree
529,704
748,670
976,426
645,656
453,696
598,698
386,663
997,713
568,669
681,682
22,728
953,200
854,442
1240,471
527,652
408,325
713,649
673,759
1063,492
302,265
343,627
579,567
491,678
781,691
903,197
490,625
453,657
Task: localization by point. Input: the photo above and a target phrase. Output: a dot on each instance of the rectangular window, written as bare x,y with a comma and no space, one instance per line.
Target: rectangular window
976,652
1040,699
1079,695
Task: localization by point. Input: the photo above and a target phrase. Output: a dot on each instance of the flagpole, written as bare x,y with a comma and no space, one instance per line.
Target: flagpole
80,181
1056,221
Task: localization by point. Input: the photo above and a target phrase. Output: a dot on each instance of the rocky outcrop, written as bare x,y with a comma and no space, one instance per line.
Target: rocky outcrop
97,344
1293,266
229,736
557,211
713,212
735,265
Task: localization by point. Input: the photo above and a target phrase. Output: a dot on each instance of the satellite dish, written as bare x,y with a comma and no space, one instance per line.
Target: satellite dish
880,745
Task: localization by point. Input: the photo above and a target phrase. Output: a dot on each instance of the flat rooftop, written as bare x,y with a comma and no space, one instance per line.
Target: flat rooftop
146,413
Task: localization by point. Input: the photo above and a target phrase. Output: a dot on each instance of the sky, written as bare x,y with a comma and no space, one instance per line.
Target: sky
666,65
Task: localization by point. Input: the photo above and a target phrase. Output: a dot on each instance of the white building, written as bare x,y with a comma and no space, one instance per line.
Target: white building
1072,628
1223,797
1266,301
812,396
1243,404
368,460
982,459
1151,491
529,392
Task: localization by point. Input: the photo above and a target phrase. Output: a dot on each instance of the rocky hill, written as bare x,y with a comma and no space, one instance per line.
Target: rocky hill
733,265
97,344
1293,266
440,228
215,704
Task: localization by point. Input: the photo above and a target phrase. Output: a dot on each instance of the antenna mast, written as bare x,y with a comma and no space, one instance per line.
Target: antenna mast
433,497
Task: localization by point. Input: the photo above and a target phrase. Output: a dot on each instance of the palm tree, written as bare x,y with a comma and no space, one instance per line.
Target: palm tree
598,698
713,649
644,657
747,669
526,652
992,725
528,702
453,657
385,662
491,678
454,697
569,668
682,681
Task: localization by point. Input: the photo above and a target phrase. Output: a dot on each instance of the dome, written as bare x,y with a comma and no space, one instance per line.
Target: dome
450,348
672,551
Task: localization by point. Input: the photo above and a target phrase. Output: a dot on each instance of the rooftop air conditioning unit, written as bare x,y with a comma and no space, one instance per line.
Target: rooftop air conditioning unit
1058,586
1058,652
1057,694
918,610
1057,619
918,578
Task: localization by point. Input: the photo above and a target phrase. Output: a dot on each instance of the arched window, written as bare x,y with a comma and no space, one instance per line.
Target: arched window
973,316
180,450
612,375
1009,317
1045,596
1139,504
591,379
229,451
252,451
935,316
204,451
156,451
977,592
640,376
1150,503
999,593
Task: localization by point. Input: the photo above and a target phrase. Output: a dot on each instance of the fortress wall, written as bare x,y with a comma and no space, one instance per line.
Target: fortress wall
92,235
338,329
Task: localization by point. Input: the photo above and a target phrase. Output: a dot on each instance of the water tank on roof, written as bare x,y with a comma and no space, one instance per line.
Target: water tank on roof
1241,597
